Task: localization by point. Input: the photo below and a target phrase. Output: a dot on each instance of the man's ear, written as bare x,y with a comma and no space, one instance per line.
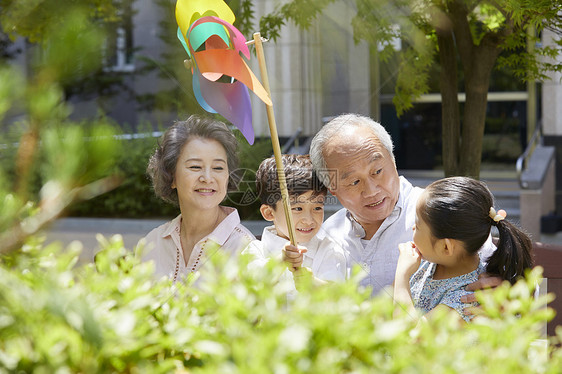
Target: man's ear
173,185
266,212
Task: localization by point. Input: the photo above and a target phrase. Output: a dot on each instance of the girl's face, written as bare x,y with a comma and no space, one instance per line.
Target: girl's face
201,176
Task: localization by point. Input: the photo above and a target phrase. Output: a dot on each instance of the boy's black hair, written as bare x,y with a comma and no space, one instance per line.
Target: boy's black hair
299,174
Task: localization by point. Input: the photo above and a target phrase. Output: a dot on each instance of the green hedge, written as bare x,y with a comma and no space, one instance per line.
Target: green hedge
134,197
110,317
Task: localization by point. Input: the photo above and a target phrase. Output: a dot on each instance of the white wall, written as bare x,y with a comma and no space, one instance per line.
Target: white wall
314,73
552,95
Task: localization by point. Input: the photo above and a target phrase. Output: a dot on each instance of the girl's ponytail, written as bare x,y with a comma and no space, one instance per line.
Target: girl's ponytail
513,253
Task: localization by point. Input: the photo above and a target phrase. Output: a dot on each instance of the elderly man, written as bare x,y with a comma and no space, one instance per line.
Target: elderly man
353,156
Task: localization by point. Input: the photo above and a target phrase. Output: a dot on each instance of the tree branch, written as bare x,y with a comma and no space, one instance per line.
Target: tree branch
499,8
463,37
50,208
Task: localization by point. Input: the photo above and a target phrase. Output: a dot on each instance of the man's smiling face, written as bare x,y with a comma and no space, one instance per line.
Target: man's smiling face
366,182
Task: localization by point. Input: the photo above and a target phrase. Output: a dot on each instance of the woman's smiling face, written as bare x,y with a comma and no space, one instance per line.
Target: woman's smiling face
201,175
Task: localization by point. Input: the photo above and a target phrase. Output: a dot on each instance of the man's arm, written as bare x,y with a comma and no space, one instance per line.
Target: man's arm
485,281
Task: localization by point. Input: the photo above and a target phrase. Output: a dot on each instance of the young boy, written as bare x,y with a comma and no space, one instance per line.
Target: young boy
307,196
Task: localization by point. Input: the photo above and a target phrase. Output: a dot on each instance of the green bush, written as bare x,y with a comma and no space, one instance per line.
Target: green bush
111,317
134,198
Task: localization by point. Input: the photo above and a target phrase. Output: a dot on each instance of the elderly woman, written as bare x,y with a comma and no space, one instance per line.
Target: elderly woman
193,168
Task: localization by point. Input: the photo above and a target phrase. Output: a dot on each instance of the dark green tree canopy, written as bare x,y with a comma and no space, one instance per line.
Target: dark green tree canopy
465,34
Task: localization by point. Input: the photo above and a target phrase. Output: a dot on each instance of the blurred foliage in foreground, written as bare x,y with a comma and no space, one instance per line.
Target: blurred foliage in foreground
50,163
47,161
111,317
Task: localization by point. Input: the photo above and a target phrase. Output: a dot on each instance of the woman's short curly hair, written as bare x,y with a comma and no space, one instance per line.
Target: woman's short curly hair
162,164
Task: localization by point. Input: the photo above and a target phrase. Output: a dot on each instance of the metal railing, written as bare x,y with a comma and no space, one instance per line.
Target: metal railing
292,141
522,160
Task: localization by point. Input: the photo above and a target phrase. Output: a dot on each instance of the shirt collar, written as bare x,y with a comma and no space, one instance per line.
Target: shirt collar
359,231
356,227
219,235
401,200
174,226
275,243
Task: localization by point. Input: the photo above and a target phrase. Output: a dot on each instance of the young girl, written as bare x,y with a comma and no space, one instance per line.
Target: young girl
453,220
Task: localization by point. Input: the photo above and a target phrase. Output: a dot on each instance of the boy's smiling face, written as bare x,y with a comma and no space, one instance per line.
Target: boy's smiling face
308,215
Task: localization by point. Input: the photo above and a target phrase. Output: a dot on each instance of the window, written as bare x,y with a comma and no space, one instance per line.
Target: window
119,48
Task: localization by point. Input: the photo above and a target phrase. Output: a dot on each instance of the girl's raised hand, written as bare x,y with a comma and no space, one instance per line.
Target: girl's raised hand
409,260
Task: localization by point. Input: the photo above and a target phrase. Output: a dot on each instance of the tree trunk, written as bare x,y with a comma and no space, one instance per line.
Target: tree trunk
473,126
477,82
450,118
477,62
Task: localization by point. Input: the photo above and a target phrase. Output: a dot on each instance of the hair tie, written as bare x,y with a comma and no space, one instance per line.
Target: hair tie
499,216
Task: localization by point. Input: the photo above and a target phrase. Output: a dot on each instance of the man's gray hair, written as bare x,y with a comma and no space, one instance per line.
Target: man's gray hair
332,129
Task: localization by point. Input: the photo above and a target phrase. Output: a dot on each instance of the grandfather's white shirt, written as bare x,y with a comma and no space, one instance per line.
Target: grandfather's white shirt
378,259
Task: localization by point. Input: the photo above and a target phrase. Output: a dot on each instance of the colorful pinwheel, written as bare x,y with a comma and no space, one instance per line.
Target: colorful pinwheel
221,77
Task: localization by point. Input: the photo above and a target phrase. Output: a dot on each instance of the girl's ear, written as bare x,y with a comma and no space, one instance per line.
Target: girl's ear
451,247
267,212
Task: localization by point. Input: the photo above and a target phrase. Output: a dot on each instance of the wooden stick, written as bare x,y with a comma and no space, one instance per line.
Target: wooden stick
275,141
